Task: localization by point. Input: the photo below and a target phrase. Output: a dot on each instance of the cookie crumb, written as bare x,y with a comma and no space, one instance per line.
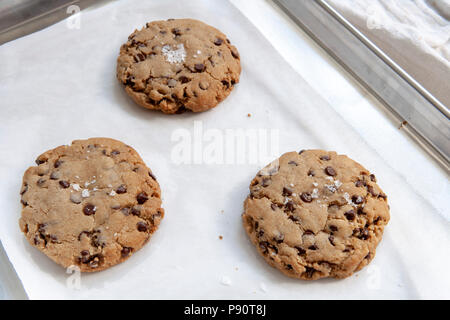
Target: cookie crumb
249,115
263,287
220,237
226,281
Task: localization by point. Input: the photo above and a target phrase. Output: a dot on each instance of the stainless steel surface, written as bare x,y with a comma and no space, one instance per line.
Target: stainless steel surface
21,17
423,117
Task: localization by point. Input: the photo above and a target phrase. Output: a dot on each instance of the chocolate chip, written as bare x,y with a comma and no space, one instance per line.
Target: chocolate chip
311,173
274,206
373,178
89,209
330,171
218,42
139,57
121,189
301,251
371,190
306,197
290,207
176,31
41,227
199,67
293,163
331,239
266,182
234,53
301,151
309,272
181,109
359,183
333,228
84,256
152,175
260,233
279,238
287,191
136,211
183,79
24,189
125,211
313,247
115,152
57,163
64,184
325,158
53,238
129,82
40,161
94,263
142,226
363,234
142,197
40,182
350,215
357,199
125,252
37,240
263,246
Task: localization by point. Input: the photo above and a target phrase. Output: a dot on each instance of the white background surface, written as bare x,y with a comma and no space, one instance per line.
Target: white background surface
58,85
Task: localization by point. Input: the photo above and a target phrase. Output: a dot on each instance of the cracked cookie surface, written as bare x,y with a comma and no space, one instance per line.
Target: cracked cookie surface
91,204
315,214
178,65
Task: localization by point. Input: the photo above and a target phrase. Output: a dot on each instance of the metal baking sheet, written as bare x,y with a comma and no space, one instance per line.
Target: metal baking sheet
424,117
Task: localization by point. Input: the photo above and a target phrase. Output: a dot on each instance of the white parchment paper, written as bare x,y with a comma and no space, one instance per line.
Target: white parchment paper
59,84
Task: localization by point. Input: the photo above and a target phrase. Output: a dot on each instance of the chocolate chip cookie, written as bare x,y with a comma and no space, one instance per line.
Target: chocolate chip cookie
91,204
315,214
178,65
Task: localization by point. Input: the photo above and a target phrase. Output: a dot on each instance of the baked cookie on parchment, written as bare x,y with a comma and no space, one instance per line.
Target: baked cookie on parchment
315,214
91,204
178,65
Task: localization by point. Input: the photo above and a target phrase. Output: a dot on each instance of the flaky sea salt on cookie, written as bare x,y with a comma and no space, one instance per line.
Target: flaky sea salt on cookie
178,65
315,214
91,204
